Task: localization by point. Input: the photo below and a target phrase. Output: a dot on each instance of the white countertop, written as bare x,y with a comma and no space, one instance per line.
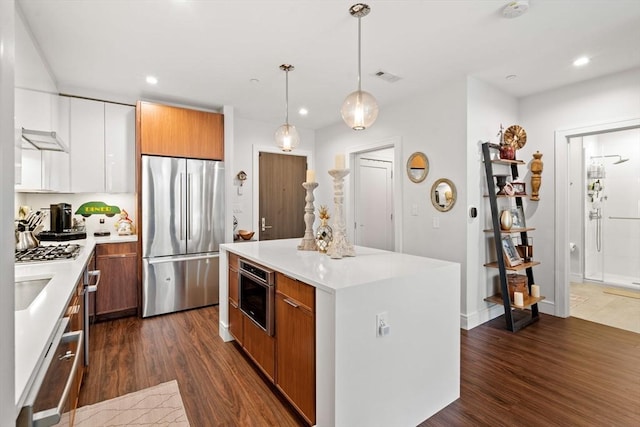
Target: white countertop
318,269
34,326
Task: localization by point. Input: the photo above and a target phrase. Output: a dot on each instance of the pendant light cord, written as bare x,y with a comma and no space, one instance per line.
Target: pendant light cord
286,101
359,55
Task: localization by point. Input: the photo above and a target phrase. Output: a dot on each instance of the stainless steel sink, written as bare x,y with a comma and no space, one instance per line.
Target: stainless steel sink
27,290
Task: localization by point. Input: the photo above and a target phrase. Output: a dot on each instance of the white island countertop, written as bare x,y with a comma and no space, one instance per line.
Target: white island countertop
317,269
35,325
399,379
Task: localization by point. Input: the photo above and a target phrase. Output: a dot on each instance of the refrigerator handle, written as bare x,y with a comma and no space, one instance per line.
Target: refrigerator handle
182,183
189,207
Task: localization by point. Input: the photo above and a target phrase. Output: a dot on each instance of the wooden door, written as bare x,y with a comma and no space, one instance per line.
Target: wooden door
374,204
281,196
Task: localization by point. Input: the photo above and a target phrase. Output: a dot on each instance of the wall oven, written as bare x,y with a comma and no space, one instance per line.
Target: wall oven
257,294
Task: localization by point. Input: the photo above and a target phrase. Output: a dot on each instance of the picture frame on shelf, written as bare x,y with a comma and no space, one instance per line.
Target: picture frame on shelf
520,188
511,255
517,217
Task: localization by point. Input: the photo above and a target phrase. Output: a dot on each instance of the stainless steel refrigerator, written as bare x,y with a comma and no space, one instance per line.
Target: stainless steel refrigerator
182,228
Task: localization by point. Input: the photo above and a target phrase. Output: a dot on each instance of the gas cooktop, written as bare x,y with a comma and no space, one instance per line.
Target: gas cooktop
48,253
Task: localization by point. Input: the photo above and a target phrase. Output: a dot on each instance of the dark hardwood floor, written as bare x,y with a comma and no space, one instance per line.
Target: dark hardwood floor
556,372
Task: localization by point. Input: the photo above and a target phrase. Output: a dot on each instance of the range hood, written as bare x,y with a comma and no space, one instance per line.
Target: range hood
44,140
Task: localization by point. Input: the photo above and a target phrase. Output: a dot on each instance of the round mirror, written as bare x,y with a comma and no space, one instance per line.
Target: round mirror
417,167
443,194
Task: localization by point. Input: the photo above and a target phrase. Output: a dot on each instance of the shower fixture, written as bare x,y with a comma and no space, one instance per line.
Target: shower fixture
617,162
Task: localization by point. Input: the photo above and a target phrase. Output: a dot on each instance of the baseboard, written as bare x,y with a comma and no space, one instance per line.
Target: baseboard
575,278
477,318
223,331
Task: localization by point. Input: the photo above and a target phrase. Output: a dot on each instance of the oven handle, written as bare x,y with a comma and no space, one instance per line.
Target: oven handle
52,416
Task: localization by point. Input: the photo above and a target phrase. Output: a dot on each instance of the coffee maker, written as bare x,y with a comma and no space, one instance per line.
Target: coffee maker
61,225
60,215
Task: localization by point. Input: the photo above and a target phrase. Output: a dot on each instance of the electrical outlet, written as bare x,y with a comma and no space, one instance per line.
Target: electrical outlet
382,324
414,209
436,222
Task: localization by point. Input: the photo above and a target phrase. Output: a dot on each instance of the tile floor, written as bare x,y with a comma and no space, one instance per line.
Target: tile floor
590,302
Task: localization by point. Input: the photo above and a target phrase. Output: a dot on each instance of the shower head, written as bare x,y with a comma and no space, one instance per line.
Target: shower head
617,162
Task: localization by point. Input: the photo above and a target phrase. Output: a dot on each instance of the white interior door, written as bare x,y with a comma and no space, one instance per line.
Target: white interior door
374,203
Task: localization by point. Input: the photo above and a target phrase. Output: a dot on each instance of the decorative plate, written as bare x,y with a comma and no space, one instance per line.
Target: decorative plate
515,136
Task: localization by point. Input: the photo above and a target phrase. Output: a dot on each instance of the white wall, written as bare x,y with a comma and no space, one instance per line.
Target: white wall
247,134
7,238
599,101
32,70
434,123
487,109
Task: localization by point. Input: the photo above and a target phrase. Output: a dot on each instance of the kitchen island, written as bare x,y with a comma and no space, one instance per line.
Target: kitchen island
398,379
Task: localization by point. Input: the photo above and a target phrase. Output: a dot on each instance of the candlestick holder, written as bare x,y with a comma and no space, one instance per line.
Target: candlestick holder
308,242
339,246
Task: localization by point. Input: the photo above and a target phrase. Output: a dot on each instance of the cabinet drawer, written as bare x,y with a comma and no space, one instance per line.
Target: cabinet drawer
297,290
116,248
233,261
233,285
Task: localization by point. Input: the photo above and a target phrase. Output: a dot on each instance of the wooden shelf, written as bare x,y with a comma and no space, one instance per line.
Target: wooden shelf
511,231
522,266
508,162
528,301
506,196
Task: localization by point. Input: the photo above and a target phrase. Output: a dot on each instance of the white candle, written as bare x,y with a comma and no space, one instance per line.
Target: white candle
535,291
339,161
311,175
518,298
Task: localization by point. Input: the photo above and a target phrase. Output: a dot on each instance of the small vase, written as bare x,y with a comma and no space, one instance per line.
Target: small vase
506,220
507,152
324,236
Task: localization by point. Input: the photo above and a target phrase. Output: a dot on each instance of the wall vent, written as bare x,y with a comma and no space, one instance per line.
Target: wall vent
387,77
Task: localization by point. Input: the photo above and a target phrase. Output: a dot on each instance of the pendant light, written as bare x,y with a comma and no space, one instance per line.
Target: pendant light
286,136
360,108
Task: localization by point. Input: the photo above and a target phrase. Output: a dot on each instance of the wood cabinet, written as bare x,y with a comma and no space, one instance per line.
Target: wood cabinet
288,358
260,347
236,319
505,252
179,132
295,344
102,144
117,294
75,313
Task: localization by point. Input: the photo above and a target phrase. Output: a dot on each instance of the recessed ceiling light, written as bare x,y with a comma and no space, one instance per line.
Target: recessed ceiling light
152,80
581,61
303,111
254,81
513,9
511,77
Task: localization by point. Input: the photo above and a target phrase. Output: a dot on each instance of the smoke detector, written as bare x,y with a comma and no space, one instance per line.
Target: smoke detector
516,8
387,77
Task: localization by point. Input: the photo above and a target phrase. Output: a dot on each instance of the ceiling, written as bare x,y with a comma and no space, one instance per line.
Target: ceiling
205,53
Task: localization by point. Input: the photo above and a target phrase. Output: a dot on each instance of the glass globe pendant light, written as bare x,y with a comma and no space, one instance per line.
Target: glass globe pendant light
286,136
359,109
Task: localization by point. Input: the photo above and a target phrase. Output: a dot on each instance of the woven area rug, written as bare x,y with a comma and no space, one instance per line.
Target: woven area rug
160,405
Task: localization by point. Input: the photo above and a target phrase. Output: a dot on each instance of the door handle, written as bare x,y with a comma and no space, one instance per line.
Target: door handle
263,226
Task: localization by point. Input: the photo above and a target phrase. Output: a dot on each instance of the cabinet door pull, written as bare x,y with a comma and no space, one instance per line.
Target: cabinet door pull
291,303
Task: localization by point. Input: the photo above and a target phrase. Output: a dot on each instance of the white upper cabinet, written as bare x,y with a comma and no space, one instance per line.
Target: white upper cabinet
41,170
102,147
119,147
87,146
